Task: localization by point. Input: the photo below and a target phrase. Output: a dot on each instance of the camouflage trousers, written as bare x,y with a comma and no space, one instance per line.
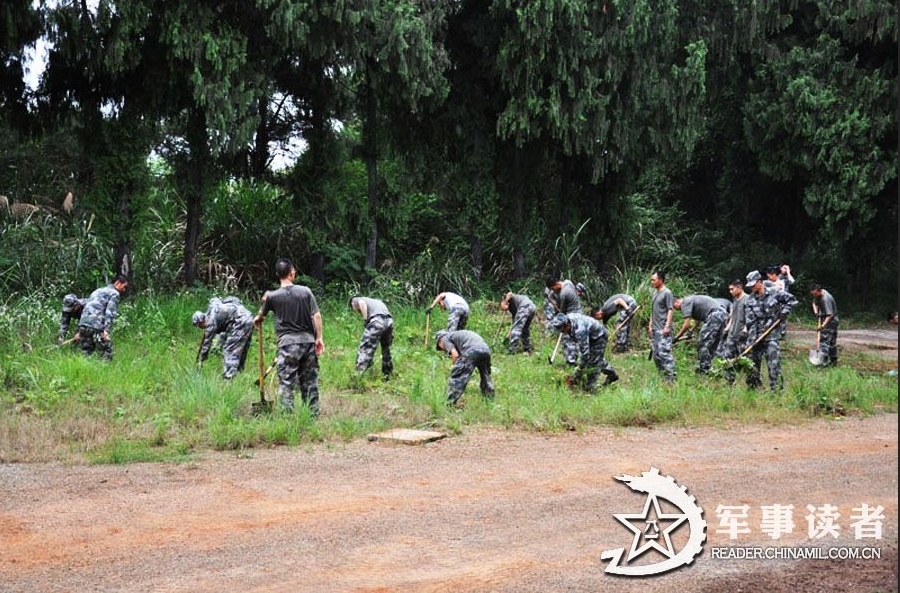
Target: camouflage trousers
708,340
456,319
91,340
728,349
771,350
828,351
298,368
570,349
662,354
521,330
462,371
588,372
623,333
236,347
379,330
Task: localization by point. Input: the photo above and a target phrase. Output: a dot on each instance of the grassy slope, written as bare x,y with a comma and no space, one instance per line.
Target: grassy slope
152,403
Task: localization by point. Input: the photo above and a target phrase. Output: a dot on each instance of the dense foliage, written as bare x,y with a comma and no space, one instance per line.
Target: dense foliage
465,145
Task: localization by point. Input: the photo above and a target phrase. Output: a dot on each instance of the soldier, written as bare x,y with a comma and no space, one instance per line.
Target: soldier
522,310
659,328
226,318
298,330
551,304
568,302
762,310
379,329
702,309
468,351
625,305
71,310
457,309
735,332
590,336
779,277
100,311
725,303
825,309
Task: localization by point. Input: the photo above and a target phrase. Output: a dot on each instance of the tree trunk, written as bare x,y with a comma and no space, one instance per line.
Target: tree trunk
519,228
261,146
371,156
198,163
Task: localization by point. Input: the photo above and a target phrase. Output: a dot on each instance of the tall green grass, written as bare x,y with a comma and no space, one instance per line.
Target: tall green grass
153,402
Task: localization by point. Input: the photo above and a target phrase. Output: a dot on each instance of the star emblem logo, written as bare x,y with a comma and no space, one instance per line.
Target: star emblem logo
649,527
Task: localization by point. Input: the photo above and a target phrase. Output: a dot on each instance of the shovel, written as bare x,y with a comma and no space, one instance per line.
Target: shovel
815,357
427,326
626,320
732,361
263,406
552,357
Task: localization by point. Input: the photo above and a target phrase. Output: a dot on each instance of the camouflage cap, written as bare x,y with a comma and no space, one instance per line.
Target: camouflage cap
198,318
438,337
752,278
69,303
558,322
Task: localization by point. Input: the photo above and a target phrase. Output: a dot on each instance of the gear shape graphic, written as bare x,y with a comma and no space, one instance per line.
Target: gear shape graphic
656,487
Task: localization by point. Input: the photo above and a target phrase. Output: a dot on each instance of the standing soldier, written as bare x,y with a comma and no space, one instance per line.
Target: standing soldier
227,318
762,310
71,311
100,311
522,310
662,309
697,309
457,309
590,336
379,329
625,305
298,330
735,333
568,302
825,309
468,351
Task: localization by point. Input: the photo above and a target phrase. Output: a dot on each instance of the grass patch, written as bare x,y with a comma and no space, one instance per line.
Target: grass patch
153,404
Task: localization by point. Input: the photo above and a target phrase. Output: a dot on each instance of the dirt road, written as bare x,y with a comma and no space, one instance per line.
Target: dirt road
487,510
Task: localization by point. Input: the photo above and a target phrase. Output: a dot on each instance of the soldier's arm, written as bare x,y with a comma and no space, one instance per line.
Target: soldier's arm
320,341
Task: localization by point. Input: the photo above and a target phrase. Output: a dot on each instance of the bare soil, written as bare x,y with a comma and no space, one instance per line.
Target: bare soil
487,510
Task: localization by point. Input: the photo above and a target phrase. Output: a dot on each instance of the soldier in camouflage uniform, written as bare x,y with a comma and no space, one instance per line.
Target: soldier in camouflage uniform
568,302
625,305
590,336
825,309
226,318
457,309
735,333
298,331
71,311
522,310
379,329
96,321
762,310
697,309
469,352
659,329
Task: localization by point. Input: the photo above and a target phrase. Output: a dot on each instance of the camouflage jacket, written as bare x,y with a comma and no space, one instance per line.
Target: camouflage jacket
220,317
101,309
760,312
587,332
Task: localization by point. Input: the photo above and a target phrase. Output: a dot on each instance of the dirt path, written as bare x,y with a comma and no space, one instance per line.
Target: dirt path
487,510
